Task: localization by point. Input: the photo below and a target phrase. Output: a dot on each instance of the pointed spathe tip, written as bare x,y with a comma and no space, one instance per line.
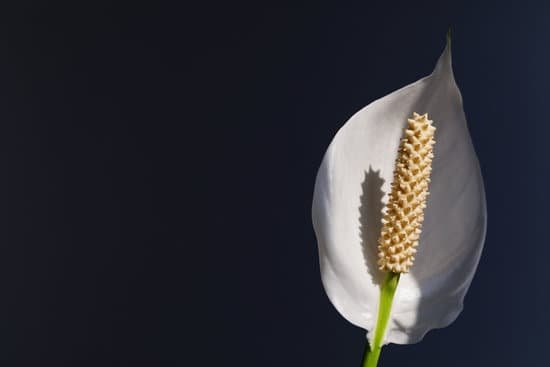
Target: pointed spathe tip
444,63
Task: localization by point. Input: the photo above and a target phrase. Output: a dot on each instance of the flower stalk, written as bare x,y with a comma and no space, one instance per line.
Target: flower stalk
372,352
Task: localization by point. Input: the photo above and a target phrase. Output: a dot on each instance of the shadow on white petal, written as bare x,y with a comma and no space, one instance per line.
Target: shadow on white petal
370,221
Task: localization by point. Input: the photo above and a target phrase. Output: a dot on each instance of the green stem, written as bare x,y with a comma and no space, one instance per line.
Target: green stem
372,353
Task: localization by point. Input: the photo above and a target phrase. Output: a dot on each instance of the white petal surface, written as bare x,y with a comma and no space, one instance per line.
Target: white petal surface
351,189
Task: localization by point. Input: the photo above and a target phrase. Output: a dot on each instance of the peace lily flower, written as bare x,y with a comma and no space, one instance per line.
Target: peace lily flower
402,270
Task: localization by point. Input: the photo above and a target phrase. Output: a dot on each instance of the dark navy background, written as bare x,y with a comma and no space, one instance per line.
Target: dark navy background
158,164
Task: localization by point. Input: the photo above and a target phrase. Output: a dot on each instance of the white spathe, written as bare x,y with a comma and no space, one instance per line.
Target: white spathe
351,189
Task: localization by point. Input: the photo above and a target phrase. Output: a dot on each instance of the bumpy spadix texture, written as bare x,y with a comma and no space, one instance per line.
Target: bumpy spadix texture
402,222
353,186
